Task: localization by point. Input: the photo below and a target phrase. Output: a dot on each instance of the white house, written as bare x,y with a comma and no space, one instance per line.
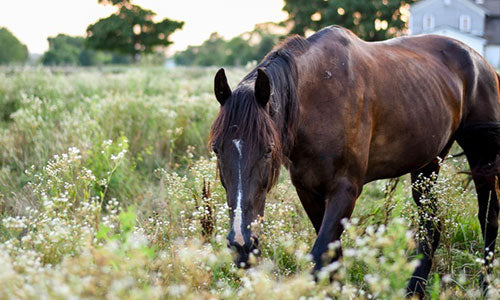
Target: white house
474,22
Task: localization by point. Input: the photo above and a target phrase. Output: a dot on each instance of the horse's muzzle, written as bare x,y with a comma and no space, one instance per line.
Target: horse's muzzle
242,253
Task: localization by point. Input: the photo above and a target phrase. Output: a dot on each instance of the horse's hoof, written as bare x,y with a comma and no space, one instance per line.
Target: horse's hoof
483,281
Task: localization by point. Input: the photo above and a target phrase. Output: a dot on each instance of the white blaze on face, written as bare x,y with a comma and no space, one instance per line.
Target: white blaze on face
238,236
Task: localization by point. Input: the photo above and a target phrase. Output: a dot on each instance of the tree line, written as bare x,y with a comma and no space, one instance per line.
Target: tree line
131,34
372,20
238,51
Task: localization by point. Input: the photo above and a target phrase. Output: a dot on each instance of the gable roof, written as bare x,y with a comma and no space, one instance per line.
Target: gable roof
492,23
455,31
492,30
492,7
470,4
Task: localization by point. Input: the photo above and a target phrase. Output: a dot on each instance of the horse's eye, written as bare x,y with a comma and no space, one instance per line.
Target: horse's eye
268,153
215,149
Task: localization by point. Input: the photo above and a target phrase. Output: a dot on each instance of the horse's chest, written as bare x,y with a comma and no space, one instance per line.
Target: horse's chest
313,164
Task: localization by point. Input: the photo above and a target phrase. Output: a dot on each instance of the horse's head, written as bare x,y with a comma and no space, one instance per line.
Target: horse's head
246,143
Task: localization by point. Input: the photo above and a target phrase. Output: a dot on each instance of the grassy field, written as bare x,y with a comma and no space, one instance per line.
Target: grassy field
106,180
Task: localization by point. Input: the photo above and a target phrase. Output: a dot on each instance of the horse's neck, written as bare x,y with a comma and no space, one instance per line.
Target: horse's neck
285,113
308,65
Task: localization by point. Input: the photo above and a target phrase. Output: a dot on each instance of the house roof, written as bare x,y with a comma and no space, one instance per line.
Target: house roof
492,7
489,8
492,30
492,24
442,28
469,3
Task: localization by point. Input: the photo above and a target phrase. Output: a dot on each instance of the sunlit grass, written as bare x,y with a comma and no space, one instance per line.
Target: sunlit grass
101,189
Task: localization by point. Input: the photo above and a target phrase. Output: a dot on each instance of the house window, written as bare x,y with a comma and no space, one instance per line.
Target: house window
465,23
428,22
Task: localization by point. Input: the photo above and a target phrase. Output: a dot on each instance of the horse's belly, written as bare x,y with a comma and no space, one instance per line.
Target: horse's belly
392,157
413,128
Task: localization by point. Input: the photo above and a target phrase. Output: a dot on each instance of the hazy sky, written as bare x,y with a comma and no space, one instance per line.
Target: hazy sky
32,21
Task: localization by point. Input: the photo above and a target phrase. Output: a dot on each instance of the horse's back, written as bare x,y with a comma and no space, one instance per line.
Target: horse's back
478,81
454,87
410,94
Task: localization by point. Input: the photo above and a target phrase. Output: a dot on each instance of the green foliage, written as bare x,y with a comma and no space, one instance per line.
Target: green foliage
114,2
11,49
131,30
240,50
160,113
210,53
109,162
434,293
71,50
64,50
371,20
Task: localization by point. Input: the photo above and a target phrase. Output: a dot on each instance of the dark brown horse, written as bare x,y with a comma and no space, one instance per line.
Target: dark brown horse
339,112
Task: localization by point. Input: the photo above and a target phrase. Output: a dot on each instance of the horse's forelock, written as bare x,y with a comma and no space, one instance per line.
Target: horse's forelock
243,118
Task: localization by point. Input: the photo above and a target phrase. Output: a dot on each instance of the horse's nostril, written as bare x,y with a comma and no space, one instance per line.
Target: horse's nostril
254,246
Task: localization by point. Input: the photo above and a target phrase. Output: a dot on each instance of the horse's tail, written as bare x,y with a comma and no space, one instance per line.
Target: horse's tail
498,85
481,141
481,144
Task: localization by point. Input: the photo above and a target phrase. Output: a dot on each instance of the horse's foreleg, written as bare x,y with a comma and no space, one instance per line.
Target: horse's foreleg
339,205
314,205
429,227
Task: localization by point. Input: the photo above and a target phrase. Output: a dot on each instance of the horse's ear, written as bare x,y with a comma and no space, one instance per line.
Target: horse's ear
262,87
221,88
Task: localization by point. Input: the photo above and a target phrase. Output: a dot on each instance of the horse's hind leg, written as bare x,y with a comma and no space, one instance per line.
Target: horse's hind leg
429,239
487,195
481,144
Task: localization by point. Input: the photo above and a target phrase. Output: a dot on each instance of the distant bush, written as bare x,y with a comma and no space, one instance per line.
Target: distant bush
240,50
11,49
71,50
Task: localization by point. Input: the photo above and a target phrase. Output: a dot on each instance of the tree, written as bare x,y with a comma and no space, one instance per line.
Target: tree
70,50
371,20
216,51
247,47
131,30
11,49
63,50
186,57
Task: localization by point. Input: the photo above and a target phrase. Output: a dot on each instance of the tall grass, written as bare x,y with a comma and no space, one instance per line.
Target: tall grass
106,188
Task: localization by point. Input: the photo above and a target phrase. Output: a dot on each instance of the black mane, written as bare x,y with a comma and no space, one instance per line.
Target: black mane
281,68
